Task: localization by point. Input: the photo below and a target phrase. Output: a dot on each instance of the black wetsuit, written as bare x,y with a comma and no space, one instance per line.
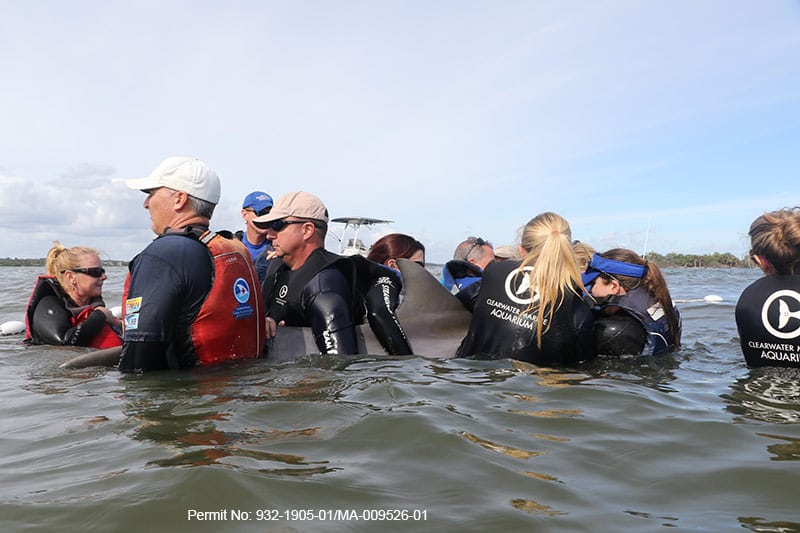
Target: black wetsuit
331,294
500,327
379,286
53,318
768,320
465,279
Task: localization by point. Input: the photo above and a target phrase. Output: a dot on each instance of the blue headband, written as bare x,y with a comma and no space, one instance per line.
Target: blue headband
600,265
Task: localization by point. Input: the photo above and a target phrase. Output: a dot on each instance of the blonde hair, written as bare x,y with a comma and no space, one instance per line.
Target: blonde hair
776,237
60,259
547,239
583,254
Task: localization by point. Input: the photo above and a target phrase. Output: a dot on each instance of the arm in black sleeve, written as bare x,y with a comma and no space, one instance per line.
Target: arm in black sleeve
83,333
52,324
381,300
51,320
583,320
469,295
326,300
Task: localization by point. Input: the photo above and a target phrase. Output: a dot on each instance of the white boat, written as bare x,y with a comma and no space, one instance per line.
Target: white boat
352,245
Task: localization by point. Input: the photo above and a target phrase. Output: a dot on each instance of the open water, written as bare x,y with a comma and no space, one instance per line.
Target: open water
693,441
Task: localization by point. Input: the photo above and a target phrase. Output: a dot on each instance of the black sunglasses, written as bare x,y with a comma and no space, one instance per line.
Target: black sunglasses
95,272
261,212
478,242
278,225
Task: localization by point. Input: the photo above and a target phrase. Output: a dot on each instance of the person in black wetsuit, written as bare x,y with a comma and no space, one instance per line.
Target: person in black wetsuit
623,285
532,310
66,306
383,296
462,275
768,310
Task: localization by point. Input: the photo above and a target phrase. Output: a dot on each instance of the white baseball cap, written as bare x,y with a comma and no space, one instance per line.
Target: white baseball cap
187,174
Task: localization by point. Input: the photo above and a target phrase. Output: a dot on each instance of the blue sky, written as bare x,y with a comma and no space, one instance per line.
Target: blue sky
677,122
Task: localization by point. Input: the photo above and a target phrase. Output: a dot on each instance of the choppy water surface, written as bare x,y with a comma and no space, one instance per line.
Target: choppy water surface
693,441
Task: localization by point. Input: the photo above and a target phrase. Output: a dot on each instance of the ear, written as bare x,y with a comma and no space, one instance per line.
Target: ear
765,266
391,263
616,287
181,199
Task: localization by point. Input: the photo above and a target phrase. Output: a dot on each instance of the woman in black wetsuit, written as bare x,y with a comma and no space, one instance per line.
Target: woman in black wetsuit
532,310
66,306
383,296
768,311
633,308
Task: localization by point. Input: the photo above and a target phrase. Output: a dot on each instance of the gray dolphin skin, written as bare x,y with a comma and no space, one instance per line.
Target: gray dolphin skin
433,319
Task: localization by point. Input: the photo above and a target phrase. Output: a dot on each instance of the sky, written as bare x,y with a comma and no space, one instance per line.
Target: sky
663,126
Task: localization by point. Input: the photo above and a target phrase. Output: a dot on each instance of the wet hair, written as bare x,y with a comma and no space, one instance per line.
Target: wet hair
394,246
60,259
583,254
653,281
547,239
775,236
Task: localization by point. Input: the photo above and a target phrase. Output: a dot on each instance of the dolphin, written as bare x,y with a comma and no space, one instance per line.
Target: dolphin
434,320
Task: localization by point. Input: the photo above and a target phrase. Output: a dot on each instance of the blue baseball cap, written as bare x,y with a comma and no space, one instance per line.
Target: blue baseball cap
257,201
600,265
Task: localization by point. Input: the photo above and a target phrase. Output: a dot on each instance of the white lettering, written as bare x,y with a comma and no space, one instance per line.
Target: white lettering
194,514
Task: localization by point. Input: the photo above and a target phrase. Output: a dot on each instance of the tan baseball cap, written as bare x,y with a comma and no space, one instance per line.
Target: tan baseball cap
298,204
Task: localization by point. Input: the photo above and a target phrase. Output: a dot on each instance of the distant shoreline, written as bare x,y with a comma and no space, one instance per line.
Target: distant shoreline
670,260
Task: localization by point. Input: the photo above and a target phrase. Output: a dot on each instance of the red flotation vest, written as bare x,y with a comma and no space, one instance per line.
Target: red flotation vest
46,286
230,324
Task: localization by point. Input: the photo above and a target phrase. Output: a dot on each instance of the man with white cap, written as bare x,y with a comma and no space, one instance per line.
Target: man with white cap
192,294
305,284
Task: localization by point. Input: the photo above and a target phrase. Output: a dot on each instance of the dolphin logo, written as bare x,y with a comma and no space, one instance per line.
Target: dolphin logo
785,314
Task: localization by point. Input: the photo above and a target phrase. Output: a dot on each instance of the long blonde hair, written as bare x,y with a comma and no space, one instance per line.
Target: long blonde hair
60,259
547,239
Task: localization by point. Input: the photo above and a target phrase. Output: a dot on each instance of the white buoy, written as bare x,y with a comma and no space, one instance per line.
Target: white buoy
712,298
12,327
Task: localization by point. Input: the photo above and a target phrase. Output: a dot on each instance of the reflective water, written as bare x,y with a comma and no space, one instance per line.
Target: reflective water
694,441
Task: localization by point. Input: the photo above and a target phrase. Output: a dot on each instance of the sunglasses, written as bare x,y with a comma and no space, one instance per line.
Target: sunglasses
260,212
478,242
95,272
278,225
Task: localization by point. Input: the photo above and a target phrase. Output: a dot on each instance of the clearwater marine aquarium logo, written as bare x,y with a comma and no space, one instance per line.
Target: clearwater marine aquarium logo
785,316
518,286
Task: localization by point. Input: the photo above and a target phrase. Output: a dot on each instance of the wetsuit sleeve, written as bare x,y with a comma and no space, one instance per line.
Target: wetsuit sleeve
326,300
583,322
469,295
52,324
381,300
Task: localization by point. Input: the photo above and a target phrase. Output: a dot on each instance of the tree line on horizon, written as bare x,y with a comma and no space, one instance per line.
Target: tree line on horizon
670,260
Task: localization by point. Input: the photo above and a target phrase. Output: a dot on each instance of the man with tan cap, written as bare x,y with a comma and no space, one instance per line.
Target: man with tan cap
308,286
192,294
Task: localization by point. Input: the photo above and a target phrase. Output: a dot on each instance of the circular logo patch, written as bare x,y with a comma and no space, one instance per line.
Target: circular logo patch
784,316
241,290
518,287
283,290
